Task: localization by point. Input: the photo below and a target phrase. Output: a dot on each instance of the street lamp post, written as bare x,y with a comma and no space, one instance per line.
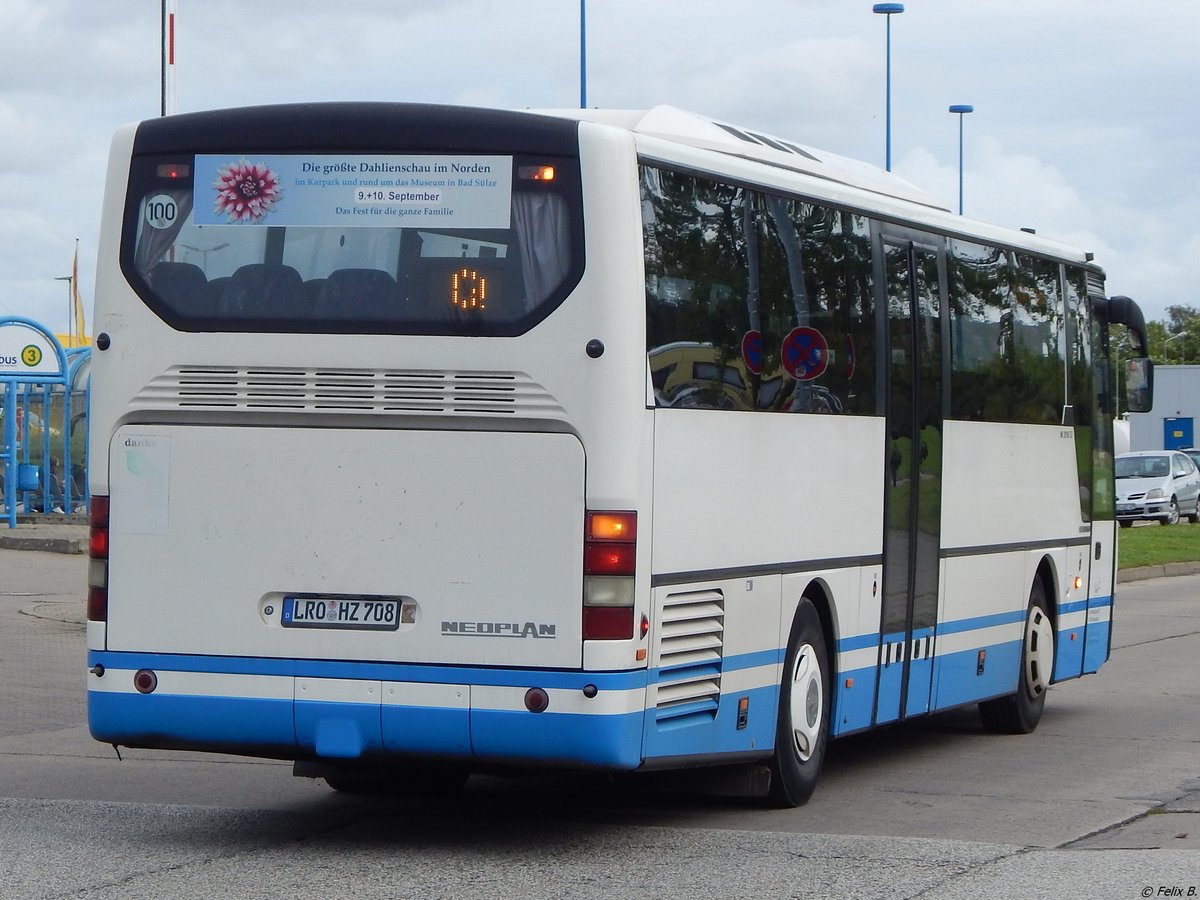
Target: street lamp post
204,251
583,54
70,280
961,109
889,10
1175,337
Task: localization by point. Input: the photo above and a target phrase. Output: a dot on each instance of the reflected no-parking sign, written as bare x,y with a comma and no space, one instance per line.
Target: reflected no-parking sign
805,354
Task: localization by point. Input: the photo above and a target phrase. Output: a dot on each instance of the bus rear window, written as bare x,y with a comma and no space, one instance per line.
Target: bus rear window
399,244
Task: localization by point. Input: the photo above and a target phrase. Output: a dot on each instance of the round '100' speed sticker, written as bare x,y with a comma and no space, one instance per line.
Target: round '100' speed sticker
161,211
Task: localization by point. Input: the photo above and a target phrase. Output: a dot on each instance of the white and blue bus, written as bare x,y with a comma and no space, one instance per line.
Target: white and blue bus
429,440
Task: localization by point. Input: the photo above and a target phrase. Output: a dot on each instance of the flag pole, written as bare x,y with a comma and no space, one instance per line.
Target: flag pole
77,300
168,57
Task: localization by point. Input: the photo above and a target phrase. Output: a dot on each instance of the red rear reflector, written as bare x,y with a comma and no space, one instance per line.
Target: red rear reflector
97,604
607,623
145,681
536,700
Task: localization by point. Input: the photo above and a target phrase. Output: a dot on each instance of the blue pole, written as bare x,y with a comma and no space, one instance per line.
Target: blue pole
10,453
583,54
960,165
888,10
961,109
888,125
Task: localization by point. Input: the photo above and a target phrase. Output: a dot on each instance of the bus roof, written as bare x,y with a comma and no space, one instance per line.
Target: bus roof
694,130
691,130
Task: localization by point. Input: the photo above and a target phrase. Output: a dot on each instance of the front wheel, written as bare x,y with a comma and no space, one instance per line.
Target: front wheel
1020,713
1172,514
802,732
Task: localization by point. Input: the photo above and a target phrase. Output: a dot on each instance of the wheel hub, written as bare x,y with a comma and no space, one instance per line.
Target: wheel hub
807,701
1039,652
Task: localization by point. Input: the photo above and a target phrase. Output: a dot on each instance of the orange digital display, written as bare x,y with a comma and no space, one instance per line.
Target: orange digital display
469,289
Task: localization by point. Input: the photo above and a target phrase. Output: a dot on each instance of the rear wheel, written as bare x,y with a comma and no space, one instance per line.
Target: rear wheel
802,732
1020,713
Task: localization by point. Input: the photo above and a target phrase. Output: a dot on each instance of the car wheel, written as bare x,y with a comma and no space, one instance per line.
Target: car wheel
1172,514
802,732
1020,713
1126,523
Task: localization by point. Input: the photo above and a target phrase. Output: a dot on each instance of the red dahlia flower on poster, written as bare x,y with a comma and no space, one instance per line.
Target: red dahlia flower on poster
246,191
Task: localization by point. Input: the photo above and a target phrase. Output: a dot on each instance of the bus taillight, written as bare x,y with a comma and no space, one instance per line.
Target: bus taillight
609,557
97,601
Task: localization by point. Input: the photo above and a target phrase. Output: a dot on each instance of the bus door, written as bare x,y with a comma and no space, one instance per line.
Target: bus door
912,274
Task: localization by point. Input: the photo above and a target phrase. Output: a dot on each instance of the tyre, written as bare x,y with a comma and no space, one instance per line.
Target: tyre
1172,514
1020,713
1126,523
802,732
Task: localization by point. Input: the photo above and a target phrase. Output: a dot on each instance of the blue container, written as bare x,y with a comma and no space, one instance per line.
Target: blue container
29,477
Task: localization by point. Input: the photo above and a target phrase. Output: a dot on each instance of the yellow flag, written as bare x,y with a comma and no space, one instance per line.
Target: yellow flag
77,300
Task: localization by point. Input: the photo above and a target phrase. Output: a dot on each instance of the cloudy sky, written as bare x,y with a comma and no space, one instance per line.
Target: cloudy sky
1085,123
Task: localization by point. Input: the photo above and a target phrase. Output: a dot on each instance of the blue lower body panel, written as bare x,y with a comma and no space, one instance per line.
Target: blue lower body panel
181,721
436,732
1095,647
367,710
962,678
609,742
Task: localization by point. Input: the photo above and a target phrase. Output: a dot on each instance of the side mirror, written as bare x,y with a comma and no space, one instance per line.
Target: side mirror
1139,385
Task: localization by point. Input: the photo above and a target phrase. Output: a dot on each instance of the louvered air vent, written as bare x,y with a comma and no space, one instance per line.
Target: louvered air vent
690,649
365,391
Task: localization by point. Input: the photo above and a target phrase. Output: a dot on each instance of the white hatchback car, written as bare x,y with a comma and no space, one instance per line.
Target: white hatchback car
1157,484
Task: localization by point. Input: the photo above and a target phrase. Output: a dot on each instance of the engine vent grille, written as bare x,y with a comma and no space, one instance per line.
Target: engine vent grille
364,391
689,655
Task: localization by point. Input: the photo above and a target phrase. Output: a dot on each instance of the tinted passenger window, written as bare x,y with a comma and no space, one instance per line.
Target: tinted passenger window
817,310
1080,386
697,280
1037,338
979,316
755,301
1007,329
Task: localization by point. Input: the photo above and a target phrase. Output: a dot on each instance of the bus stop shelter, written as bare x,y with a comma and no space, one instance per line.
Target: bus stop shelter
34,366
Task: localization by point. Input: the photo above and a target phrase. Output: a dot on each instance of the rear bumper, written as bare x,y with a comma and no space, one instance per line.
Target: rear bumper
301,709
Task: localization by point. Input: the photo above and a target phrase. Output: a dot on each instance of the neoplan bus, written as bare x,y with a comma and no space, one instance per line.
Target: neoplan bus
430,440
